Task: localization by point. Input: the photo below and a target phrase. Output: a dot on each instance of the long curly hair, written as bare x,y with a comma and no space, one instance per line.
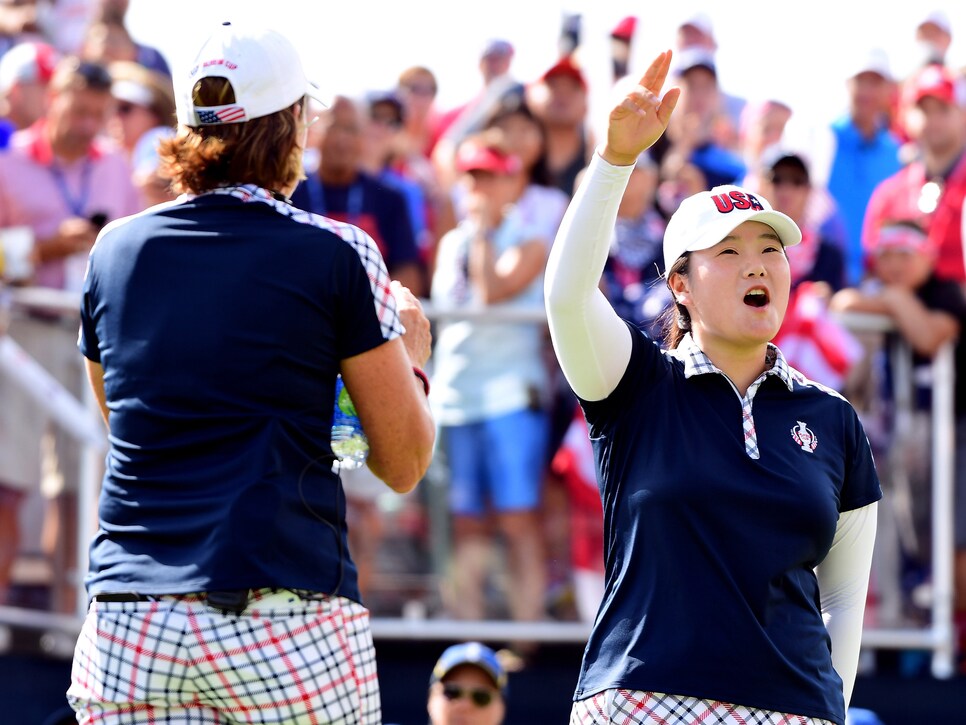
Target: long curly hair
265,151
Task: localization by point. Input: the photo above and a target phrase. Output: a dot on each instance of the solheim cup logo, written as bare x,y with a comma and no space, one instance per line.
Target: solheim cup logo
804,437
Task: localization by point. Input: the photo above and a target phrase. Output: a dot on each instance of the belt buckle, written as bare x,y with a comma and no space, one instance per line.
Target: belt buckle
234,600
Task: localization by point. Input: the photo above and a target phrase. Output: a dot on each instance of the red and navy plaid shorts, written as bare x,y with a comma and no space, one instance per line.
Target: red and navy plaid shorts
635,707
289,657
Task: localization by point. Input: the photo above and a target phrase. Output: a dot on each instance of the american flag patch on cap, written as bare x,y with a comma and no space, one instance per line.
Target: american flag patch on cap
221,114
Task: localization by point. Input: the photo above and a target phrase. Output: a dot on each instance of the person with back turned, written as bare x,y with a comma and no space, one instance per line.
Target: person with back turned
213,328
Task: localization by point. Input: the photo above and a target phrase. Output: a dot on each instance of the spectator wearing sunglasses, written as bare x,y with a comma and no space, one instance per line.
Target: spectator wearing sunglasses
144,113
468,685
144,101
786,180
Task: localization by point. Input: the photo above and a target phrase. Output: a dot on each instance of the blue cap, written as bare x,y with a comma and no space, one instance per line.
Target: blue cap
497,46
470,653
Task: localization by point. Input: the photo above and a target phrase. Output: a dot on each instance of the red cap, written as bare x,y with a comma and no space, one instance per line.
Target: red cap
566,67
939,82
473,156
624,30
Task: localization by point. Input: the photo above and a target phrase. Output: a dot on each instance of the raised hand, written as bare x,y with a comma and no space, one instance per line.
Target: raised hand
641,116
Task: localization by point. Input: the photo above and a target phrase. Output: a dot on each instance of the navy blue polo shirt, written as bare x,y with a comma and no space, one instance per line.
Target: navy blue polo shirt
220,323
711,534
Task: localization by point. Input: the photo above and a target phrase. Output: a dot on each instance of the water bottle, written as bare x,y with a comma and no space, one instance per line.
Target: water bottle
349,443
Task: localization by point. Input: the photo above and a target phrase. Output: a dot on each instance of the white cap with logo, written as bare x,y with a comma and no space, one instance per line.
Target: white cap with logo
264,70
704,219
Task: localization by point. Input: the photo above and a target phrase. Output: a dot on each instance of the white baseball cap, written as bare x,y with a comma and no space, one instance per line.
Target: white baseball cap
264,70
699,21
704,219
869,60
937,18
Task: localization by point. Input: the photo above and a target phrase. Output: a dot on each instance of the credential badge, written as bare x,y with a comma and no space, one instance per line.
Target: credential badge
804,437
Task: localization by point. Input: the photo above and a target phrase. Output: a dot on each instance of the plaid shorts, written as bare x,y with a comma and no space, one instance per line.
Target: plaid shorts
290,657
635,707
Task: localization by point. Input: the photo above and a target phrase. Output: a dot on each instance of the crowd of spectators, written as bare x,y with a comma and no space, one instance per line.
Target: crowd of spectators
464,203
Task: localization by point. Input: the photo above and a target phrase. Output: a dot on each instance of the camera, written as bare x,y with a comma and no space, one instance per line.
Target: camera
98,219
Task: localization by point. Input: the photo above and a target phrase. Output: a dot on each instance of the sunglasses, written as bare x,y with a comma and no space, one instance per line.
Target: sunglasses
124,109
780,180
419,90
389,121
480,696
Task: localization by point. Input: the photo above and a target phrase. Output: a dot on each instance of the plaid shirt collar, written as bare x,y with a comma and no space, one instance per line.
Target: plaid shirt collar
245,192
697,363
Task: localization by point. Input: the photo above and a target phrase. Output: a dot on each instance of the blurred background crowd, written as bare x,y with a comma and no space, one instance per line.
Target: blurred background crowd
464,201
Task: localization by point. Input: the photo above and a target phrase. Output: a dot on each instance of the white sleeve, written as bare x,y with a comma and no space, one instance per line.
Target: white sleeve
843,579
592,343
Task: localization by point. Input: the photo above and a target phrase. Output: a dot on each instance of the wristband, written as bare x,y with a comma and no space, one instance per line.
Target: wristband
422,378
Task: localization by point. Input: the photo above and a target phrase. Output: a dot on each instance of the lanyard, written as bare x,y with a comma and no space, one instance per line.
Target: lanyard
353,204
76,204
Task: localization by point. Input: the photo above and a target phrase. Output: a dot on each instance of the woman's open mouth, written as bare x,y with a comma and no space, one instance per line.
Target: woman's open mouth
757,297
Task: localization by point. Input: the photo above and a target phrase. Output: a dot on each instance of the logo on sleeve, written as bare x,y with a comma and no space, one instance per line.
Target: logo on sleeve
804,437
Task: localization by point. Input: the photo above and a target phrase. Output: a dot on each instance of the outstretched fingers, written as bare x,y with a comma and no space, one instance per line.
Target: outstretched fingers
642,116
654,77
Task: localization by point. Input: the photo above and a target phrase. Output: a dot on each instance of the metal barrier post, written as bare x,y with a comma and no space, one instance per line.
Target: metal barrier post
943,542
939,635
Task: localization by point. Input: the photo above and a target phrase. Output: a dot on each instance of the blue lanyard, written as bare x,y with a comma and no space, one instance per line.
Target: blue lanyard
78,204
353,204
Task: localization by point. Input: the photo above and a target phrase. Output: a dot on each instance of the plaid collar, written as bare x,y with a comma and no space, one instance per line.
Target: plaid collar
245,192
697,363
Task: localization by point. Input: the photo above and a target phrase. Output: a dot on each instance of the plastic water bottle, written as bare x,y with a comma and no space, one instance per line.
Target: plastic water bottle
349,443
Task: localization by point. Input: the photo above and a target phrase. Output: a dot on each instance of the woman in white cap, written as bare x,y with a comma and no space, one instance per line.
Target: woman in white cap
739,497
214,328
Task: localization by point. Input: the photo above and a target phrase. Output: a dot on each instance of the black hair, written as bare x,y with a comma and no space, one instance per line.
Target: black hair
675,321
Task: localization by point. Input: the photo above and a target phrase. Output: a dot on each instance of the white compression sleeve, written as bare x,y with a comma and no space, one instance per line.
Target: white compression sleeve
843,579
593,344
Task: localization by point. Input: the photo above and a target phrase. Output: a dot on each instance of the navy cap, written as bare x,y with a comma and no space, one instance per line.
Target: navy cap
470,653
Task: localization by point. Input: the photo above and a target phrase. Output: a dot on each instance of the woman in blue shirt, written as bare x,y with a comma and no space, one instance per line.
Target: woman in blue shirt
739,497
